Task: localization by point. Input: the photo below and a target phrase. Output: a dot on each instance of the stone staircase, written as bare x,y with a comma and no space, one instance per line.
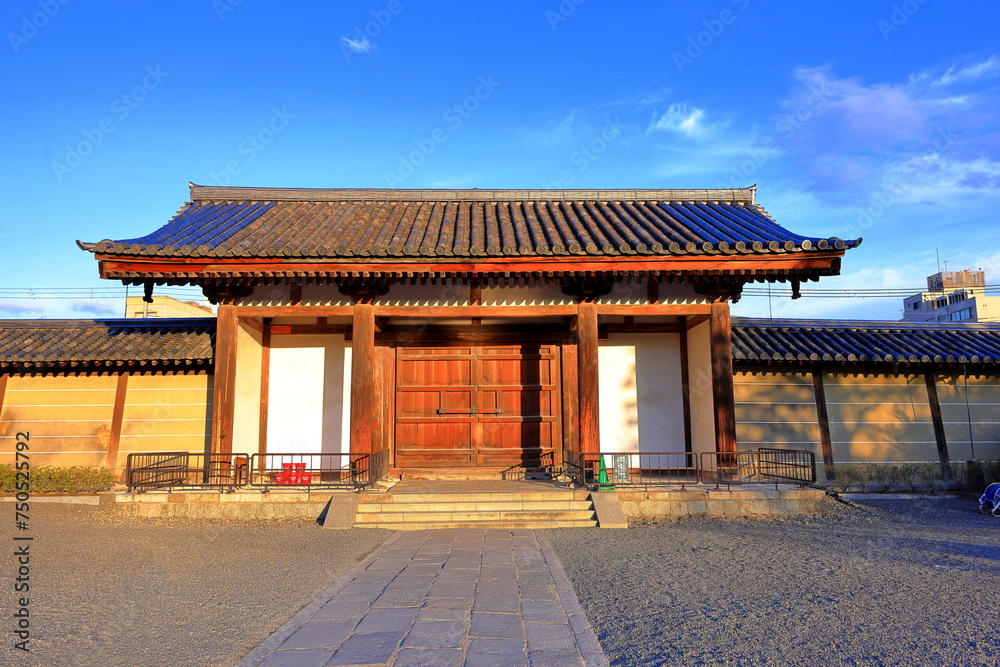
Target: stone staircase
419,511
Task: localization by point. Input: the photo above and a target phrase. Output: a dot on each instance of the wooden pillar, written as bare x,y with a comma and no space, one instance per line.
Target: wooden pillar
265,385
570,398
3,389
116,421
224,382
823,420
723,399
586,332
939,434
364,408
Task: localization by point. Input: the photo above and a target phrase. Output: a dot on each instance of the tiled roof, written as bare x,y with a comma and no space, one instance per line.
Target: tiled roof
870,343
335,224
139,343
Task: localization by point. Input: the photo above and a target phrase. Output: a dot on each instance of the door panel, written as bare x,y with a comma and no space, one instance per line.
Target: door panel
468,406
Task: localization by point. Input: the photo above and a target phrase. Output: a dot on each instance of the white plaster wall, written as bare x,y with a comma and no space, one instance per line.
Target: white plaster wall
246,401
641,395
426,295
525,295
308,406
700,384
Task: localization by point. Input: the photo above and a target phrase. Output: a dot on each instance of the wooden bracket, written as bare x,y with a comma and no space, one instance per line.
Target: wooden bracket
587,289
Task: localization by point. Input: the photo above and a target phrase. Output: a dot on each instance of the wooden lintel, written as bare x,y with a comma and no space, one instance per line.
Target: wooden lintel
308,329
643,327
823,261
654,309
485,337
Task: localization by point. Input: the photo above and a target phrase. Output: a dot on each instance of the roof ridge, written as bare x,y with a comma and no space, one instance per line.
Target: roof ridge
212,192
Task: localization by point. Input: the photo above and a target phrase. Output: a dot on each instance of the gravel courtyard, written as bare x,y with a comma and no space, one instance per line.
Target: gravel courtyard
110,591
885,583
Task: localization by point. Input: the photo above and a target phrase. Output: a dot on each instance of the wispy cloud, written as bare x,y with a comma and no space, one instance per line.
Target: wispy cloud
845,137
363,45
11,308
681,118
96,308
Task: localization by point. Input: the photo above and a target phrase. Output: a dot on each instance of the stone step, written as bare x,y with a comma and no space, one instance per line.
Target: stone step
486,505
461,514
390,497
507,525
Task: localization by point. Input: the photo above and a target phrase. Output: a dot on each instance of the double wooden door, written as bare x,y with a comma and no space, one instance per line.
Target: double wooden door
482,405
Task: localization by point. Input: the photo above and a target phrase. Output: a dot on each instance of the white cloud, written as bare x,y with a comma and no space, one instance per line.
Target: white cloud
956,74
362,45
682,119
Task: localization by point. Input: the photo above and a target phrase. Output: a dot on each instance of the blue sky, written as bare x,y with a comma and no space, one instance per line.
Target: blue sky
873,119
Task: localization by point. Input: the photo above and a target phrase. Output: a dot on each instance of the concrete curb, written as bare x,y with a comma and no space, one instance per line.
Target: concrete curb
896,496
278,637
103,499
590,649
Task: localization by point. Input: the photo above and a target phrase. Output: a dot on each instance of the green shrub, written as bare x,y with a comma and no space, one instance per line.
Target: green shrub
908,475
929,475
886,476
53,479
843,477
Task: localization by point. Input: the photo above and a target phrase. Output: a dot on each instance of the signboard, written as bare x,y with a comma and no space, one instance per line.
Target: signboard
621,467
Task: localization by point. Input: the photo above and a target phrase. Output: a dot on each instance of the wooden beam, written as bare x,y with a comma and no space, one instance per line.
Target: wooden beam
211,267
723,398
308,329
364,406
686,389
652,290
485,337
939,432
586,331
295,294
114,441
476,298
643,327
223,403
654,309
265,388
3,388
293,311
252,323
823,420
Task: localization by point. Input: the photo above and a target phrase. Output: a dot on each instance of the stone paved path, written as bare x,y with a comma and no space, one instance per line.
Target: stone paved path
443,597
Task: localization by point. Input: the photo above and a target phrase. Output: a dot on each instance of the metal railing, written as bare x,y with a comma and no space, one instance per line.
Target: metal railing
174,470
227,472
613,469
773,466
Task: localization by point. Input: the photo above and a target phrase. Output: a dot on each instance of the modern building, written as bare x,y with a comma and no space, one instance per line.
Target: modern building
953,296
165,307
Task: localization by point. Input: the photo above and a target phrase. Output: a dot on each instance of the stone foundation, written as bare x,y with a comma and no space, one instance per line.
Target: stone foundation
696,501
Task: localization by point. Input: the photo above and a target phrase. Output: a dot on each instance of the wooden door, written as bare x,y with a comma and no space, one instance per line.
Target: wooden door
490,405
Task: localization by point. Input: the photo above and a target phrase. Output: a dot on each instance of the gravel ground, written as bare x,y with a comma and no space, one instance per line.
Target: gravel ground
108,591
883,583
